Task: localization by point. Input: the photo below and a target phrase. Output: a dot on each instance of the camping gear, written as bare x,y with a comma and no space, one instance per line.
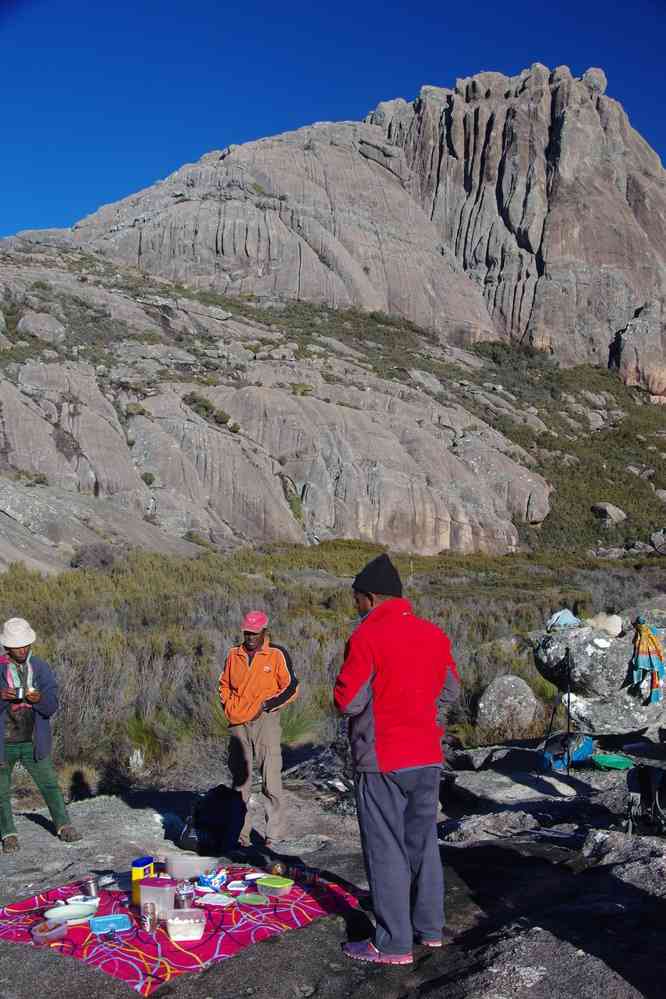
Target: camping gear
142,867
612,761
646,804
215,823
648,659
562,619
91,887
564,750
274,885
161,891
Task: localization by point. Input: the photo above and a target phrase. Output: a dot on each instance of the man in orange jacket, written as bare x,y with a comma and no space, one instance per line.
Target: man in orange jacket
258,680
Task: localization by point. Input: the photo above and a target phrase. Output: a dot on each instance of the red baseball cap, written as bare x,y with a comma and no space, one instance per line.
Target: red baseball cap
254,621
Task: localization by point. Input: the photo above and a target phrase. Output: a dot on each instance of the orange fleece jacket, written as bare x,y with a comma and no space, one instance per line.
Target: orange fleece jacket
266,684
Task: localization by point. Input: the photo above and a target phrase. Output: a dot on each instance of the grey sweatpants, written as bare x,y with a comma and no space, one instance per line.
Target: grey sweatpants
397,816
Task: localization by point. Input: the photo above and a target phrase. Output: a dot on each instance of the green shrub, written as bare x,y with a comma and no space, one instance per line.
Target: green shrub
148,478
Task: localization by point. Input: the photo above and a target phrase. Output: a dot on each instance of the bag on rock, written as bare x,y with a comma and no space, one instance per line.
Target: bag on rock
215,822
646,804
555,751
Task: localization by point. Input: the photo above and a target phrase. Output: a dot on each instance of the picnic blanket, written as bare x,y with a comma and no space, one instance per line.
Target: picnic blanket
146,960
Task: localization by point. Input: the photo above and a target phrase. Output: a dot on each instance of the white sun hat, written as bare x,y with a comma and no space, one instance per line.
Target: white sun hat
16,633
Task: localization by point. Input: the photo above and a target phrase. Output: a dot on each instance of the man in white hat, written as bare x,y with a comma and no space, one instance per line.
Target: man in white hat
28,698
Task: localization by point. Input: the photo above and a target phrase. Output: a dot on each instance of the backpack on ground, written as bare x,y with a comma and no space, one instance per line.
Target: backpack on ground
563,750
646,805
215,822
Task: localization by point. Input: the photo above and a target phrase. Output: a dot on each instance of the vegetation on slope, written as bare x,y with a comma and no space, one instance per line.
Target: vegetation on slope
138,644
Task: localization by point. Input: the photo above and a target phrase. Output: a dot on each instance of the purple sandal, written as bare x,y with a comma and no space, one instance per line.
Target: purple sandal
365,950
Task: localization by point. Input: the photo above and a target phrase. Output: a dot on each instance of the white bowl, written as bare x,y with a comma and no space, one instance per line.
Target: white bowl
77,912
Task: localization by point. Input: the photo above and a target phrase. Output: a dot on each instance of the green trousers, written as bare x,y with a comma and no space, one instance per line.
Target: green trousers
44,775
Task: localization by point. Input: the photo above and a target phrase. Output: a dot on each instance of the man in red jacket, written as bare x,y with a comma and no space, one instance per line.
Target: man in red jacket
395,684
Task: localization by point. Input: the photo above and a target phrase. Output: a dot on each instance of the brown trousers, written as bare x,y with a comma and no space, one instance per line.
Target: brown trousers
259,740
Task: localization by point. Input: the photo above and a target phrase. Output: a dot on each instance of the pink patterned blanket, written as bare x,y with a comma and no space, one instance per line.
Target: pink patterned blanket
144,960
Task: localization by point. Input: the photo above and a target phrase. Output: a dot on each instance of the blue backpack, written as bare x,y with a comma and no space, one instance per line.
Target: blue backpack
562,750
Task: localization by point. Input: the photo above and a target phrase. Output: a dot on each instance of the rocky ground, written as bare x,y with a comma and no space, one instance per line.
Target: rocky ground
545,894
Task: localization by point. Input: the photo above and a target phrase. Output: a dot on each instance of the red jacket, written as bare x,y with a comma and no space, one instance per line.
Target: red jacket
398,674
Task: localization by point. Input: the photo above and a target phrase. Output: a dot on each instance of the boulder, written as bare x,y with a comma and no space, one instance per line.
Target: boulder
603,701
611,623
43,326
608,513
508,704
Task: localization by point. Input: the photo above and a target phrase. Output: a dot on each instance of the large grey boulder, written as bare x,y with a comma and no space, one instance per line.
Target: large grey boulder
608,513
603,700
508,704
43,326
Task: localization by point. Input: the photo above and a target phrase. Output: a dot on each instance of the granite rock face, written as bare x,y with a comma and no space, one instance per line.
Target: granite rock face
184,421
523,207
323,214
552,203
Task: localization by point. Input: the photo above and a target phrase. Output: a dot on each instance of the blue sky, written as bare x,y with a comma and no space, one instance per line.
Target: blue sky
103,98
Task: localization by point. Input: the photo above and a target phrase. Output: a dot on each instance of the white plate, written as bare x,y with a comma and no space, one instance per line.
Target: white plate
253,875
215,899
82,900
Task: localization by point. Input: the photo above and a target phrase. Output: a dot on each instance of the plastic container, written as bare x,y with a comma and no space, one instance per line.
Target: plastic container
236,886
161,891
186,924
274,885
114,923
48,931
252,898
142,867
188,865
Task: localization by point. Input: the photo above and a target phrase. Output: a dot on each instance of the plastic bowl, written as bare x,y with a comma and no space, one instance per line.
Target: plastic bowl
188,865
275,885
77,912
48,931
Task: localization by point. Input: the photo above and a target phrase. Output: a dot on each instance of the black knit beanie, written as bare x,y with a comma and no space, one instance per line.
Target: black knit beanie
379,576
